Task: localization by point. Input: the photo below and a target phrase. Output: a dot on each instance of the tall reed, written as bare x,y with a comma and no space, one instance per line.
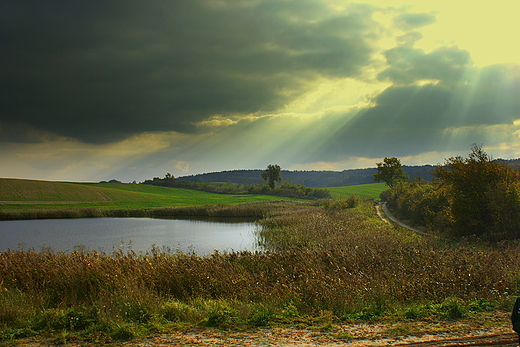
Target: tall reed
341,260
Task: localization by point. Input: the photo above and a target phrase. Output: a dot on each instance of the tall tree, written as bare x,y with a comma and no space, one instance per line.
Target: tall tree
271,175
390,171
484,195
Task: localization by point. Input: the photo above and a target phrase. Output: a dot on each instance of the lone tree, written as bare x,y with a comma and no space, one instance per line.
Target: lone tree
484,195
390,171
271,175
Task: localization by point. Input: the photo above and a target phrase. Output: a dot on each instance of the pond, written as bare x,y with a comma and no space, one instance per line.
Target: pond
137,234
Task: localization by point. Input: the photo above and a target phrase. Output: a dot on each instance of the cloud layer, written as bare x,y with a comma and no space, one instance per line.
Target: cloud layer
133,89
99,71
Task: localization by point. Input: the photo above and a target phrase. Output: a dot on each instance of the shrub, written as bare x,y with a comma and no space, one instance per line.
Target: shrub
453,308
260,316
219,313
177,311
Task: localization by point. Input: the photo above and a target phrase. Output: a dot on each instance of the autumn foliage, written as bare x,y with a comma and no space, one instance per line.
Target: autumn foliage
470,196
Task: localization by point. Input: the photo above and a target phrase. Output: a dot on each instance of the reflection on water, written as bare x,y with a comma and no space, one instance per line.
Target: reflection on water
138,234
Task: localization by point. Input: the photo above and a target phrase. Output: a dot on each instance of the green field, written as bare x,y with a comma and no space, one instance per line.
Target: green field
32,199
371,190
16,194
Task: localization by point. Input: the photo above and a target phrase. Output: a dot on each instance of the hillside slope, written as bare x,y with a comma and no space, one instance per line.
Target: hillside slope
20,194
32,190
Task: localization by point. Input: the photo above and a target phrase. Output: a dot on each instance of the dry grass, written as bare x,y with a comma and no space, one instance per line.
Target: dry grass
342,261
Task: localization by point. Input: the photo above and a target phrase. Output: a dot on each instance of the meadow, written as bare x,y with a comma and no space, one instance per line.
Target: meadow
330,262
27,199
371,190
30,199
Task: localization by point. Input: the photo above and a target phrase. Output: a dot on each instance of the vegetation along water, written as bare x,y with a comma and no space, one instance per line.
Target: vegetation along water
330,261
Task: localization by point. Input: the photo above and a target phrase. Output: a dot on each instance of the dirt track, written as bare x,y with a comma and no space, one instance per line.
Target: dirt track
293,338
491,330
487,330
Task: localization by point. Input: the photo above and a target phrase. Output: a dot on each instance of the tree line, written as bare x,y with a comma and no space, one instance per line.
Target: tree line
309,178
472,196
273,184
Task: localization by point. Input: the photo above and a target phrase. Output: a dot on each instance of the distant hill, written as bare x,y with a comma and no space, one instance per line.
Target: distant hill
318,179
313,179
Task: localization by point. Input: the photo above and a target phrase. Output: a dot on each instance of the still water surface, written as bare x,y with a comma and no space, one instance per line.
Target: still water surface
137,234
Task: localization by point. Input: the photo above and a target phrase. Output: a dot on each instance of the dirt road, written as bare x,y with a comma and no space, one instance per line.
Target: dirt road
293,338
493,330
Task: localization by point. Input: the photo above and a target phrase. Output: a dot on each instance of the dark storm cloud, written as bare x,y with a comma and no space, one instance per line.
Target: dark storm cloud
22,133
100,71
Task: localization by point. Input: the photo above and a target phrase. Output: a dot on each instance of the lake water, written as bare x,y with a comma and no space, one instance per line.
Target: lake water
137,234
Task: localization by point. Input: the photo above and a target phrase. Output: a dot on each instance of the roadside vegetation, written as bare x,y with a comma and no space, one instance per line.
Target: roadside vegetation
470,197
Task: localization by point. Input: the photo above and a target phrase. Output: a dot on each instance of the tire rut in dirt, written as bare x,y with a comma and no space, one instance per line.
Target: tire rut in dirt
475,341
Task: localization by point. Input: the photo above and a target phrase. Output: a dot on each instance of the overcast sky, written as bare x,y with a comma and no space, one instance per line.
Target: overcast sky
93,90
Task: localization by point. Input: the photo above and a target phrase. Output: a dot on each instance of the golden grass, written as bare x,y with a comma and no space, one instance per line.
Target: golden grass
343,261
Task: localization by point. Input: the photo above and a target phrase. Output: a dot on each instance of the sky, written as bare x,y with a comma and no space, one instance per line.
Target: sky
129,90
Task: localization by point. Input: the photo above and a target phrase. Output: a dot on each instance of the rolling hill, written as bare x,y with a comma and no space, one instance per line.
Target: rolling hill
28,194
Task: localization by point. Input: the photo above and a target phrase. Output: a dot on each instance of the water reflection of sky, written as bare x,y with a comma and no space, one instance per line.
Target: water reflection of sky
137,234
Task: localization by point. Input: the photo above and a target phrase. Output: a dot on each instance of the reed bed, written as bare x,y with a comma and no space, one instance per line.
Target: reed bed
333,259
253,209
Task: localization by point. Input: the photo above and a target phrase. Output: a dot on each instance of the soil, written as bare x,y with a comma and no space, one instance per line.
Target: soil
352,336
293,338
493,330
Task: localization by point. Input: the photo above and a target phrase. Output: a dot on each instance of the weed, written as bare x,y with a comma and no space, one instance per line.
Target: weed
124,332
9,334
401,329
416,312
344,335
176,311
260,316
290,310
219,314
453,308
63,319
328,321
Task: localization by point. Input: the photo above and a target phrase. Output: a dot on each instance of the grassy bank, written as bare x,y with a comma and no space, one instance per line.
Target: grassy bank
334,262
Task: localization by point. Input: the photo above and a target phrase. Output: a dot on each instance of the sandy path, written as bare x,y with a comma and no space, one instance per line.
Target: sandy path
304,338
493,330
